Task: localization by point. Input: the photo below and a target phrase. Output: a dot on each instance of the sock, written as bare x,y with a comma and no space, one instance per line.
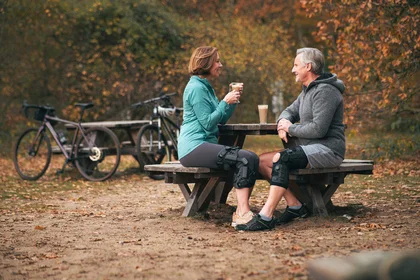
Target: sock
297,207
265,218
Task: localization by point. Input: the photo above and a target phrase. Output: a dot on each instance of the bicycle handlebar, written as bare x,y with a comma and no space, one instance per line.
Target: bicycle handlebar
156,99
169,111
26,107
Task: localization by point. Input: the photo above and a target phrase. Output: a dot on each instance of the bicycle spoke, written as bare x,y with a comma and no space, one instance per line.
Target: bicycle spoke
149,149
98,154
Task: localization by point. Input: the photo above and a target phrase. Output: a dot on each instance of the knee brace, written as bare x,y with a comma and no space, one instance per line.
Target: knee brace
290,159
228,158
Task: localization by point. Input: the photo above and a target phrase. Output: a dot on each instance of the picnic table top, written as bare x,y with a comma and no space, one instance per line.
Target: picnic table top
249,128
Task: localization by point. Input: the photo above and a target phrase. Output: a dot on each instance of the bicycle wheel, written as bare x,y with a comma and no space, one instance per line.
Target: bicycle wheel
148,149
97,155
32,154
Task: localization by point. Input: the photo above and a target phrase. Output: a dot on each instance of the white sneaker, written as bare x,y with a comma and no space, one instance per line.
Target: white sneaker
234,218
239,220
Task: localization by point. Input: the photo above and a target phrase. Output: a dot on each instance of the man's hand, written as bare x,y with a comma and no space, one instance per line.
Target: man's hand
284,125
281,132
282,135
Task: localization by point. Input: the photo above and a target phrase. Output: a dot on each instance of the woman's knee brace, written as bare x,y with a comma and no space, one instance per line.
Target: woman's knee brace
228,158
290,159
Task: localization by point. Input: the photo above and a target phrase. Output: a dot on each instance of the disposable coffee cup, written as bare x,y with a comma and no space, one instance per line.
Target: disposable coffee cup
263,111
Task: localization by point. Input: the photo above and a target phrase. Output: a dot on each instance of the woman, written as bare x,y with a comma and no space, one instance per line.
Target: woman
197,143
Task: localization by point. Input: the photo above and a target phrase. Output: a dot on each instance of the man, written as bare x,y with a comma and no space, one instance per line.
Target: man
319,134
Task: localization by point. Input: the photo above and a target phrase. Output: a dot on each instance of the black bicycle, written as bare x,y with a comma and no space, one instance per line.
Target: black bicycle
95,151
159,139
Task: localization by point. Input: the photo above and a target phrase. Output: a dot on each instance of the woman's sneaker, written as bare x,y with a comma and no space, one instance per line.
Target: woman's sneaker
291,214
234,218
256,223
245,218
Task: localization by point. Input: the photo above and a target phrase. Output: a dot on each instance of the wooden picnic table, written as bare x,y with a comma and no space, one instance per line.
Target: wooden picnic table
315,187
235,134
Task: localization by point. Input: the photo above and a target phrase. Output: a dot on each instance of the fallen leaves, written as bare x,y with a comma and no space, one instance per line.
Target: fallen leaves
40,227
369,226
410,168
363,227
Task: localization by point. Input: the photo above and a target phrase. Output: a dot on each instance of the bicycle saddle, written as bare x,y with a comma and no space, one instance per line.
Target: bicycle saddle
84,105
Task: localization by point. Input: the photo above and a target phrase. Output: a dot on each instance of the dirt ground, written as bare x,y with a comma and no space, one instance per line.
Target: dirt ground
131,227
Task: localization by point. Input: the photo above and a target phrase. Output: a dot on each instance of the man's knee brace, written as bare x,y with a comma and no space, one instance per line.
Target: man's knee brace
290,159
243,176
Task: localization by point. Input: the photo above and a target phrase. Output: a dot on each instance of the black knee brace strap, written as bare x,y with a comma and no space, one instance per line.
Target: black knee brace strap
228,158
290,159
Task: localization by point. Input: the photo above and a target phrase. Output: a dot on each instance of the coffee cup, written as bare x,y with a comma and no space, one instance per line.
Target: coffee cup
263,111
236,86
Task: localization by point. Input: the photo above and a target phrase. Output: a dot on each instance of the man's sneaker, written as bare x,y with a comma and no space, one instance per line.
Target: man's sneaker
245,218
291,214
257,223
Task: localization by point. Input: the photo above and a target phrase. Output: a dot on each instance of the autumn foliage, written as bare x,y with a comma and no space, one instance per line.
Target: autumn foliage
116,53
375,47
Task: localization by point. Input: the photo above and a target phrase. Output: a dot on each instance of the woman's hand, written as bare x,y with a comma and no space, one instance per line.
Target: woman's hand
232,97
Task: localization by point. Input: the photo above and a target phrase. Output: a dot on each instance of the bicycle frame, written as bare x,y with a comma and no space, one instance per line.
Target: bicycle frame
47,123
163,124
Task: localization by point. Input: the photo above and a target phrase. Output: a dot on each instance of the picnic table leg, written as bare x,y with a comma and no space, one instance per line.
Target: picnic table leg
223,190
186,191
218,192
331,188
233,140
318,205
228,140
300,190
329,191
200,196
206,194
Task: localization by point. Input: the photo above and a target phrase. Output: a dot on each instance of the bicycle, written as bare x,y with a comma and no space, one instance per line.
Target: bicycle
95,151
159,139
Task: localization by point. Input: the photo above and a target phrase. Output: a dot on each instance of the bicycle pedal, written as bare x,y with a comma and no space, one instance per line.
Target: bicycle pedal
59,171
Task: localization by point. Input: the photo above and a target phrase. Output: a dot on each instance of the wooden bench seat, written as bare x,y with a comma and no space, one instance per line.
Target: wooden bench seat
314,187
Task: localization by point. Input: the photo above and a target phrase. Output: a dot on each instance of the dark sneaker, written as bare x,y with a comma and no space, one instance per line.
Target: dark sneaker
291,214
257,223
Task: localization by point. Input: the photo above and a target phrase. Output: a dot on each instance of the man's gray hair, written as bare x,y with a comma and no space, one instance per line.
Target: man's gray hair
314,57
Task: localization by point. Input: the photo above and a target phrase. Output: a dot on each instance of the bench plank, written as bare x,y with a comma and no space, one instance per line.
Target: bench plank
350,167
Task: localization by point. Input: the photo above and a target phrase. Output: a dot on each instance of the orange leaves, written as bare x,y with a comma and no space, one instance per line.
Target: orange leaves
379,46
397,167
40,227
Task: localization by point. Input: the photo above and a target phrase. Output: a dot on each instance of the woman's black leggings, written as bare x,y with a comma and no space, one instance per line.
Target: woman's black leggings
207,155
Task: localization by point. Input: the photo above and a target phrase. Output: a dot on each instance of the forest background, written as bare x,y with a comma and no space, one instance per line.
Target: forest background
116,53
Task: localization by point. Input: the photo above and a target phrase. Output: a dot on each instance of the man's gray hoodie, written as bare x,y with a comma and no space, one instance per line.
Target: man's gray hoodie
317,114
